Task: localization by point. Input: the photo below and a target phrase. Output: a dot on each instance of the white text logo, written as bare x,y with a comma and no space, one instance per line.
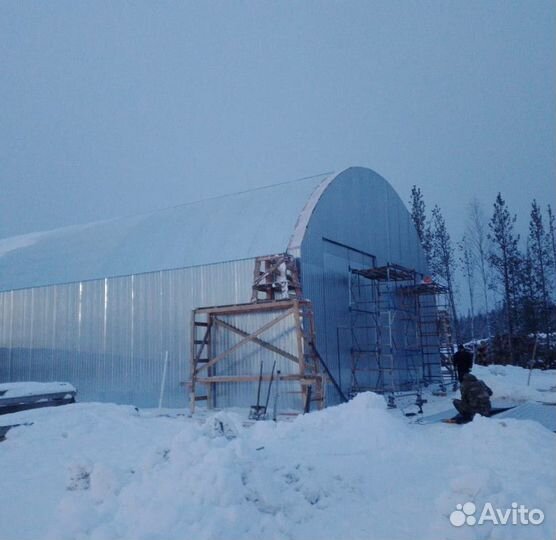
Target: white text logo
518,514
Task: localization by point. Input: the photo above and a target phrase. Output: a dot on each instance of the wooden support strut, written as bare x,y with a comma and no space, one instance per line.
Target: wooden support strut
309,374
258,341
246,339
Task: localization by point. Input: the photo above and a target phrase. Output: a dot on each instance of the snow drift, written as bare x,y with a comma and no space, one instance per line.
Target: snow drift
355,471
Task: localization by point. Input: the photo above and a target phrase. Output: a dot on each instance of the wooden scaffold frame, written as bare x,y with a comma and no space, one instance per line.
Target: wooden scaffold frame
204,357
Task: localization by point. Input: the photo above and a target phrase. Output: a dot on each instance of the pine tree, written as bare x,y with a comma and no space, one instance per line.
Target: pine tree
528,300
539,243
442,259
418,215
504,258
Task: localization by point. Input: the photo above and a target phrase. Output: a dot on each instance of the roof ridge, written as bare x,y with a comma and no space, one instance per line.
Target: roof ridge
162,209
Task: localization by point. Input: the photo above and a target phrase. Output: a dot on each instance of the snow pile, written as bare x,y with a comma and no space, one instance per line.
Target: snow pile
355,471
23,389
510,382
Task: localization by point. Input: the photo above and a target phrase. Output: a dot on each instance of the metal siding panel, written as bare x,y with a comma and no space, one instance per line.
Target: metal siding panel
5,324
109,337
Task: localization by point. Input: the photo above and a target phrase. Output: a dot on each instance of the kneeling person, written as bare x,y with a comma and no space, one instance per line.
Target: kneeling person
475,399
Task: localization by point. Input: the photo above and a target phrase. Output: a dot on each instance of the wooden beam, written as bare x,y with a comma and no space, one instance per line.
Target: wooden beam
247,339
204,341
275,305
258,341
255,378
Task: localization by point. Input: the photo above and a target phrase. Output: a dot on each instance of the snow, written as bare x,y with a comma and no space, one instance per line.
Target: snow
18,242
22,389
176,237
355,471
510,382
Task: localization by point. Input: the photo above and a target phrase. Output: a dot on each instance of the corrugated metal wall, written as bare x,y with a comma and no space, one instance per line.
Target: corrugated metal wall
328,286
359,221
108,337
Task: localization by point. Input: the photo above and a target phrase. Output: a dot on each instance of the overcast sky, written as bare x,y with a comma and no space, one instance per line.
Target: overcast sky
113,108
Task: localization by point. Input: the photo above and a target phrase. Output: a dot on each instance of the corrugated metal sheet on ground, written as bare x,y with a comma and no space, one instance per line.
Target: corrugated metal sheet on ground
543,413
450,413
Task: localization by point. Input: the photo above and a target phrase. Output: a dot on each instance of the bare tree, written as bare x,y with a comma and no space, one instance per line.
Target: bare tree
468,267
477,237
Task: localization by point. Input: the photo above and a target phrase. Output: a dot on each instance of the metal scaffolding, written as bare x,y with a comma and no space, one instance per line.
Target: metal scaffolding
400,331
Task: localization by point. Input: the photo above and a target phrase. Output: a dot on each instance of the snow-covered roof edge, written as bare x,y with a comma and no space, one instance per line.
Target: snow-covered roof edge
305,215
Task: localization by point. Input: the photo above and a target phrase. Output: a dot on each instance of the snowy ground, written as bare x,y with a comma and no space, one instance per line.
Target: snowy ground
356,471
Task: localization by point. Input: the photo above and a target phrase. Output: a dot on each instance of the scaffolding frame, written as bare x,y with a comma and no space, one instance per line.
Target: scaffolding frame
205,358
399,329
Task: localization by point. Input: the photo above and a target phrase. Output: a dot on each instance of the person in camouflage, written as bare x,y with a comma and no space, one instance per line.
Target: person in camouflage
475,398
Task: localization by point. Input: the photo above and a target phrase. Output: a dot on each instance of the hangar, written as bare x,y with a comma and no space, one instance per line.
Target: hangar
116,307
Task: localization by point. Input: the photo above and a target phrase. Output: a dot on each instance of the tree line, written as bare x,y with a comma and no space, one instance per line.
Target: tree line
509,281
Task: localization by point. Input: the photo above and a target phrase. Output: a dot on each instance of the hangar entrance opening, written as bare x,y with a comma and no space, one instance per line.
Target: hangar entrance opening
334,334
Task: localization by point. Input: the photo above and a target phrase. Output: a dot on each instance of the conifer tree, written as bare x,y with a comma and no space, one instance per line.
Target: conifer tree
539,244
504,259
442,260
419,218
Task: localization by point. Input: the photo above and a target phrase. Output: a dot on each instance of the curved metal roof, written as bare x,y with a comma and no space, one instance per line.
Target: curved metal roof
356,207
236,226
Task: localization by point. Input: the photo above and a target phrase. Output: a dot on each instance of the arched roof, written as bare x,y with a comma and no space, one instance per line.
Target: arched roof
356,207
236,226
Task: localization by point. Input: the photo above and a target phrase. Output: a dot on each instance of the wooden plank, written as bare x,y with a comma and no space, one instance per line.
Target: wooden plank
275,305
193,362
210,371
205,340
301,357
258,341
254,378
245,340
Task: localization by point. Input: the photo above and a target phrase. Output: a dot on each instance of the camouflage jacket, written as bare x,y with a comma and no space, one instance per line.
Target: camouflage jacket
475,393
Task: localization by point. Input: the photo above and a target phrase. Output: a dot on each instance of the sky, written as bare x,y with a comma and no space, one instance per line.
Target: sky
117,108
